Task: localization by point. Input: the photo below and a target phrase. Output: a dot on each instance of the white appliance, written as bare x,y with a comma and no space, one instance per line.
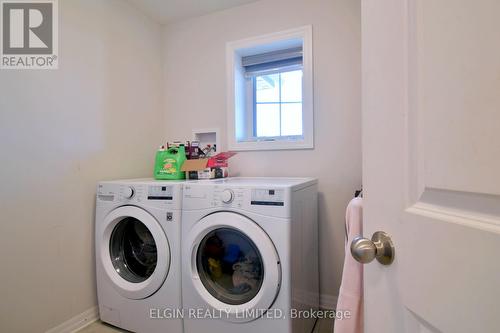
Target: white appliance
137,242
250,255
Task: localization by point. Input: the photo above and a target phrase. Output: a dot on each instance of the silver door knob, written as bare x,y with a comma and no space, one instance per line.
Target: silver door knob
380,247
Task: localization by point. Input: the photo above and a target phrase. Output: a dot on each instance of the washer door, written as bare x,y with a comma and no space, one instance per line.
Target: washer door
235,267
134,252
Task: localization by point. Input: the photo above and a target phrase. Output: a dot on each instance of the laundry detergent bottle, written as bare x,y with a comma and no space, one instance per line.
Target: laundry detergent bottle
169,162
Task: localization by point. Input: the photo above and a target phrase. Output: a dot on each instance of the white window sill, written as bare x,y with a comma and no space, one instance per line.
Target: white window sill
271,144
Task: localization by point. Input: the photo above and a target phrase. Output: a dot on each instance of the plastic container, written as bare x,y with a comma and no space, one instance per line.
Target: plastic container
168,163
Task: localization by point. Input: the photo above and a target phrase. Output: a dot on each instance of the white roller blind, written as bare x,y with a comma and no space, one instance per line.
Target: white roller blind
286,59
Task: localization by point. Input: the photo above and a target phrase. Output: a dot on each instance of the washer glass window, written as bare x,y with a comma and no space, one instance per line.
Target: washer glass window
230,266
133,250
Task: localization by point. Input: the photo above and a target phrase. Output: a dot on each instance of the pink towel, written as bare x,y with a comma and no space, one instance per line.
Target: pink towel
351,289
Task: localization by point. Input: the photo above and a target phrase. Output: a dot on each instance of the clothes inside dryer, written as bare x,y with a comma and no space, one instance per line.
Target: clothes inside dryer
230,266
133,250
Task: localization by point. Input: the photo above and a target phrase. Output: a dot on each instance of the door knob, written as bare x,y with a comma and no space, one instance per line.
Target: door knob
380,247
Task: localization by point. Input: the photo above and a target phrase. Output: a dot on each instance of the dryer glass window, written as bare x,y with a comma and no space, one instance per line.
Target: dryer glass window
133,250
230,266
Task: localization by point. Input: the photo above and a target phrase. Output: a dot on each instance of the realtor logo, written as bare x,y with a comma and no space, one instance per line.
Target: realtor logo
29,38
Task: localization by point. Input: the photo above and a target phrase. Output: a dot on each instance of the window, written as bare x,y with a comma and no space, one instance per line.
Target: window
278,104
270,96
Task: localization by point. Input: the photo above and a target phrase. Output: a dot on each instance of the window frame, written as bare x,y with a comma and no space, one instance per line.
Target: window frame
237,91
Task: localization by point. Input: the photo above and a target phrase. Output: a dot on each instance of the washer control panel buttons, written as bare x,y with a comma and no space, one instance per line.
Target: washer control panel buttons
128,192
227,196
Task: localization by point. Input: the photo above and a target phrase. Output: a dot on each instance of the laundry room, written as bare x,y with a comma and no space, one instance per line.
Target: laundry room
248,165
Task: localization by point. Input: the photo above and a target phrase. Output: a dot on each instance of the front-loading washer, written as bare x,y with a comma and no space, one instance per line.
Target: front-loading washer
137,250
250,255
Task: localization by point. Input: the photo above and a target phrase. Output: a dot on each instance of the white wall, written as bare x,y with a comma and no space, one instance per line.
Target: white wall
194,92
99,116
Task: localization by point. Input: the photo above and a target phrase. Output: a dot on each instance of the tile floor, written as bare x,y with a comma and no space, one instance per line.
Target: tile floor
322,326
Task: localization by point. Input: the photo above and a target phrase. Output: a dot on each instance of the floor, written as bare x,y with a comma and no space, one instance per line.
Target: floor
322,326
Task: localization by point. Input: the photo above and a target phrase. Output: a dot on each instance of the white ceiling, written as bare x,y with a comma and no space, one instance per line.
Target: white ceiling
166,11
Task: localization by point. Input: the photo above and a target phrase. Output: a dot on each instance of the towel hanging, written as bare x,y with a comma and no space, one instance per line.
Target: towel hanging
351,289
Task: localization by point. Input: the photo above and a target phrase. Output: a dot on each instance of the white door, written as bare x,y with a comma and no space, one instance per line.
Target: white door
431,163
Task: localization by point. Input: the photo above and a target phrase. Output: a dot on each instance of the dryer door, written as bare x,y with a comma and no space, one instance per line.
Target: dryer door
134,252
235,267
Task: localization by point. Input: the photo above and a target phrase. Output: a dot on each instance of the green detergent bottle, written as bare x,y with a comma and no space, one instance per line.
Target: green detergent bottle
169,162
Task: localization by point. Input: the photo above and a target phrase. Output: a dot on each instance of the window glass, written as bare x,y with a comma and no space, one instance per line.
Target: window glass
278,104
267,89
268,119
291,86
291,119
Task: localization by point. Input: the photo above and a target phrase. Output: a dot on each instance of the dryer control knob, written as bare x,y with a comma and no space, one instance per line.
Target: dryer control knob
227,196
128,192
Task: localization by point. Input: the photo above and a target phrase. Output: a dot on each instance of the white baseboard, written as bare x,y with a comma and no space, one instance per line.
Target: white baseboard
328,302
77,322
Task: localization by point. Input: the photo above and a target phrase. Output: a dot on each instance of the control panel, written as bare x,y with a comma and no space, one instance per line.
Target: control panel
128,192
152,194
228,197
271,201
160,192
244,197
268,197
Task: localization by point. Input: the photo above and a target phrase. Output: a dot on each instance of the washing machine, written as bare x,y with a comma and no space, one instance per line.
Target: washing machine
250,255
137,250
